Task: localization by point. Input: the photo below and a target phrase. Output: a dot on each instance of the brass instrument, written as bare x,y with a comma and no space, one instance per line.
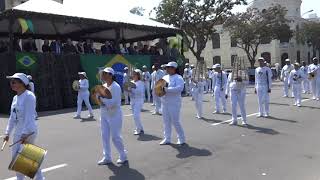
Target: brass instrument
128,84
239,72
199,73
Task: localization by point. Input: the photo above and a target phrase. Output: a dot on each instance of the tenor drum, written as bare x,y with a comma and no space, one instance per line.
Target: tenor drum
28,160
159,87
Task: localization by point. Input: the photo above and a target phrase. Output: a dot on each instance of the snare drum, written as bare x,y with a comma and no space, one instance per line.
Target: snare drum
28,160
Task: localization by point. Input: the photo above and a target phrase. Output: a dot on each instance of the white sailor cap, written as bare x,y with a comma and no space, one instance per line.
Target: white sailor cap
138,71
125,68
144,67
217,66
172,64
287,60
261,59
29,77
23,77
83,73
109,70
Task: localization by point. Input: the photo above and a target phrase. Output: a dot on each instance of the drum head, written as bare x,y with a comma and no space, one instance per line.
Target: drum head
159,87
75,85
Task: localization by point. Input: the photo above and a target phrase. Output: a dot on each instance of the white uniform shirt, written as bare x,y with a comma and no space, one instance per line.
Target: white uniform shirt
157,75
125,78
83,85
304,70
314,69
286,71
234,85
261,78
146,76
296,76
112,106
138,92
22,115
199,86
220,81
187,73
174,89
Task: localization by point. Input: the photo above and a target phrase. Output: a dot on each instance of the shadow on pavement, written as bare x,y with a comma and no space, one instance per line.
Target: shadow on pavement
211,120
186,151
87,120
279,119
280,104
148,137
311,107
124,172
261,130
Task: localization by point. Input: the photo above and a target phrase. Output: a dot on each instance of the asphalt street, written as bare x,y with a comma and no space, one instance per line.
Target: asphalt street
283,147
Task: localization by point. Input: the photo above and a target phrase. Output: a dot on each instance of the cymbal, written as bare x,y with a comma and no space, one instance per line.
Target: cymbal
159,87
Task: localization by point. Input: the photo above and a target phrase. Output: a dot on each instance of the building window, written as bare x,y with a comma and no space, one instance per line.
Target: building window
284,56
215,40
233,42
266,56
217,60
233,59
298,56
309,58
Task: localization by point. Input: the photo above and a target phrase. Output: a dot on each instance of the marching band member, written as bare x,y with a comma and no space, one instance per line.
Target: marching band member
111,119
163,68
219,83
237,90
295,79
208,80
83,95
186,78
32,89
157,76
190,83
198,89
313,68
305,81
146,79
137,99
171,102
22,117
126,79
263,83
285,77
153,83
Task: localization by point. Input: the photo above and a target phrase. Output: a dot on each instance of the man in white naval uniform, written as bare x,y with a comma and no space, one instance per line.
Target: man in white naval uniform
126,78
111,119
208,86
237,90
263,83
146,78
285,77
198,90
314,73
219,83
305,81
83,95
157,76
296,77
187,78
171,102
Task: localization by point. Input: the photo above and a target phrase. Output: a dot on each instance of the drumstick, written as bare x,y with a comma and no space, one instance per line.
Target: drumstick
21,139
4,145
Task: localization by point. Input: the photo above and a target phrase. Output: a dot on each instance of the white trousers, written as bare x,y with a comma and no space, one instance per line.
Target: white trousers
296,89
83,96
263,100
285,86
153,95
209,85
171,116
15,149
187,86
220,96
126,97
238,98
147,88
198,100
306,86
157,101
136,105
318,88
111,129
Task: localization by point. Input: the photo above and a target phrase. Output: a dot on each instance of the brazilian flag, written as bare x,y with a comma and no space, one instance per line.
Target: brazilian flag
26,62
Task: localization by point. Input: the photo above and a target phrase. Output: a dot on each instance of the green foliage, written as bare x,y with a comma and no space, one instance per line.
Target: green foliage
310,33
196,18
138,11
253,27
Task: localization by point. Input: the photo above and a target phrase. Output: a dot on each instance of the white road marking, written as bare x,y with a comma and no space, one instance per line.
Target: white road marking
127,115
45,170
227,121
304,100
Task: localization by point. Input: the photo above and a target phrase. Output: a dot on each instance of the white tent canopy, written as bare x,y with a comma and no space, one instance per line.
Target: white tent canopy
94,19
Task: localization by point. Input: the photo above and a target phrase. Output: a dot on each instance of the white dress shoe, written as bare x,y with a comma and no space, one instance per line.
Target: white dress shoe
165,142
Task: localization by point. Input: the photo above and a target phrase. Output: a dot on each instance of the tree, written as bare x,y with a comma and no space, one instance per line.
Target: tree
253,28
138,11
310,34
196,18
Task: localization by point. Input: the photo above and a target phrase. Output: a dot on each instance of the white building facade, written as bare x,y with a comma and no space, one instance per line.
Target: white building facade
221,49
